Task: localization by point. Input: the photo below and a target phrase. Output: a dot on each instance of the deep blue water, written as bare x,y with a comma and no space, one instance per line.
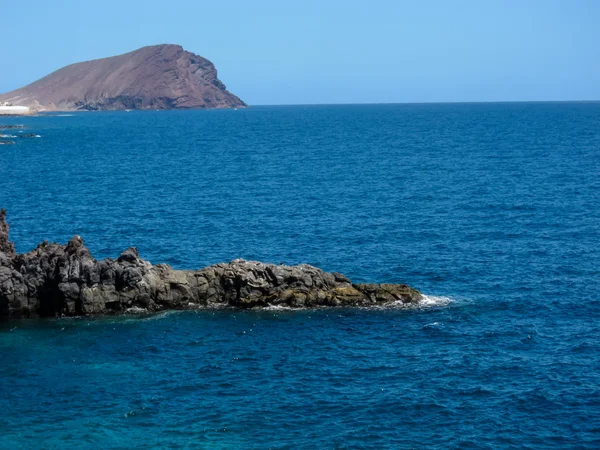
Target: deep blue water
493,210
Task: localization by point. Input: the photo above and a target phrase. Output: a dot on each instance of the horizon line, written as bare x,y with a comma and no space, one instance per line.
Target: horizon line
425,102
285,105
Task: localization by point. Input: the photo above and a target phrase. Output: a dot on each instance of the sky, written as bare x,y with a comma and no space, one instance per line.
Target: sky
329,51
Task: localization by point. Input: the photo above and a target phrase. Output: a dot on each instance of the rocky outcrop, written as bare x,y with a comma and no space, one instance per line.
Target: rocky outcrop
55,280
6,247
154,77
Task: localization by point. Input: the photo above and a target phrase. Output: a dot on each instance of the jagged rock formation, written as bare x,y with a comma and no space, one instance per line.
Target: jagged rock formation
155,77
6,247
55,280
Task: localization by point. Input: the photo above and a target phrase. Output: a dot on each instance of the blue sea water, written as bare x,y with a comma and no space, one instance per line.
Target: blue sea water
492,210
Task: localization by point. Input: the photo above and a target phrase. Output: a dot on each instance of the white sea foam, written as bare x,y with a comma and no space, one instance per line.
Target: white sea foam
434,300
279,308
136,310
428,301
7,136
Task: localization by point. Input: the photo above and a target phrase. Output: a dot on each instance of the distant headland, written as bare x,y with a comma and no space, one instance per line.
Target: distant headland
155,77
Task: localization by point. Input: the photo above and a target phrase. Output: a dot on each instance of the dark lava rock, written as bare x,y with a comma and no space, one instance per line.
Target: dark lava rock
29,135
6,247
56,280
10,127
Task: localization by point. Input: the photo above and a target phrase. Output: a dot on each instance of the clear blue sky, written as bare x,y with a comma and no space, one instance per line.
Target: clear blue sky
286,52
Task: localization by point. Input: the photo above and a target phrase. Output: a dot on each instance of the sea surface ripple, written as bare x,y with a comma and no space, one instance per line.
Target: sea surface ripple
492,210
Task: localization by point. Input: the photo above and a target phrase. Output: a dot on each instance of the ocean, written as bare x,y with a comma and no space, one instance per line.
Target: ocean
491,210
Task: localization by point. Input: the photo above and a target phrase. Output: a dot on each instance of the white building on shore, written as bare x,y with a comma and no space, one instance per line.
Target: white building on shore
8,109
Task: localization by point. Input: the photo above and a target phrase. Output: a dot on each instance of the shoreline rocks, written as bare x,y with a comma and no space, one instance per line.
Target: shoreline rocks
8,139
65,280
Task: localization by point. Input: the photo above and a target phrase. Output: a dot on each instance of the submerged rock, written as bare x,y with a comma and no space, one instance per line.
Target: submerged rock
55,280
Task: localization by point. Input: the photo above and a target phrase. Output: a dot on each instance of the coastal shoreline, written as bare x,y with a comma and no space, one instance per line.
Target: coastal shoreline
55,280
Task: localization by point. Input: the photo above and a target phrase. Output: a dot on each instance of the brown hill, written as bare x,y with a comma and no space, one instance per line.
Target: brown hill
155,77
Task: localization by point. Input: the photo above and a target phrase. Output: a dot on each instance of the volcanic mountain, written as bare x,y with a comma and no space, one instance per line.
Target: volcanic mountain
155,77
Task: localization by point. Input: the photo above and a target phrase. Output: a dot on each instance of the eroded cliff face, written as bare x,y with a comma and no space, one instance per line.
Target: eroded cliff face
56,280
155,77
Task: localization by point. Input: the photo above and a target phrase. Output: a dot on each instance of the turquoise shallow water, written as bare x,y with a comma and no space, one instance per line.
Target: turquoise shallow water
493,210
